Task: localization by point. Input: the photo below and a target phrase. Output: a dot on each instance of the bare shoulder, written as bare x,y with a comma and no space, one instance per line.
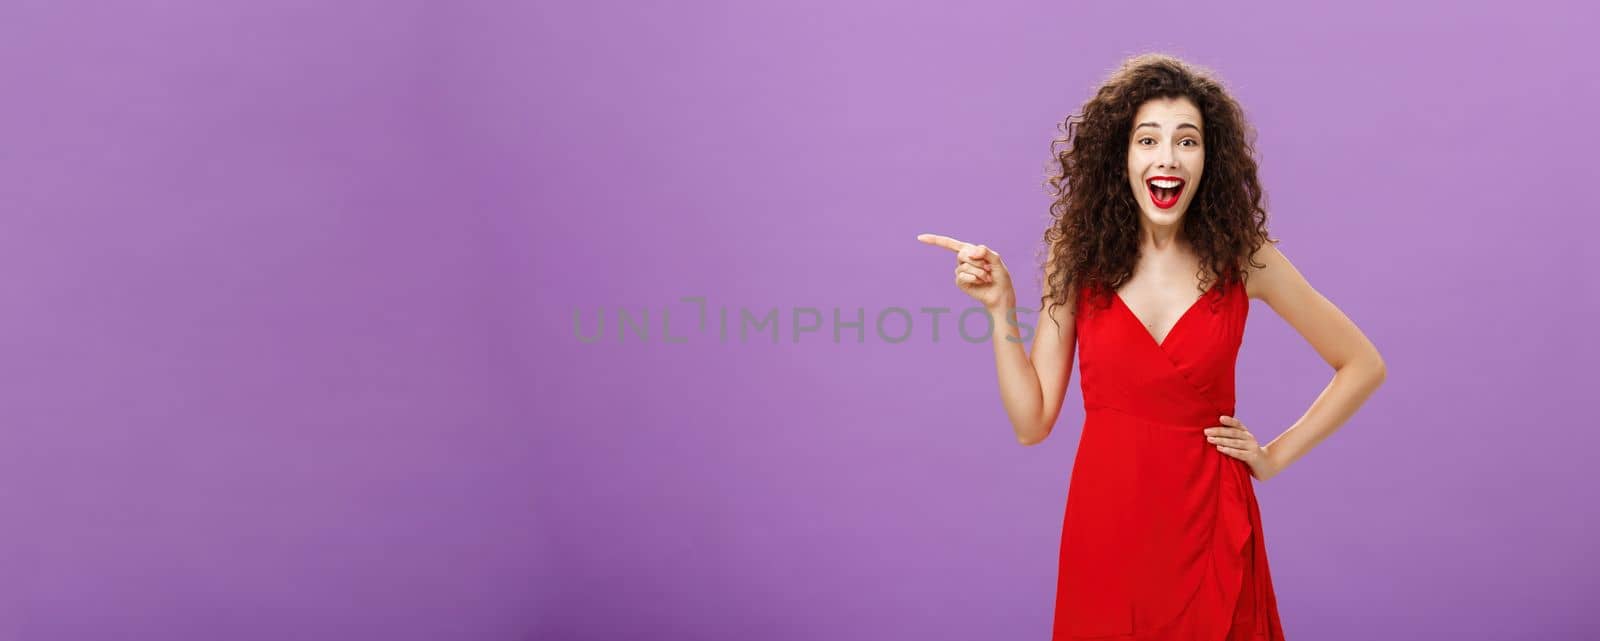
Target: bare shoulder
1281,286
1069,307
1062,315
1270,274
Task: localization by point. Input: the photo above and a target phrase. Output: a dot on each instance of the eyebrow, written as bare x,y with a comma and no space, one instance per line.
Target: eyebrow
1157,126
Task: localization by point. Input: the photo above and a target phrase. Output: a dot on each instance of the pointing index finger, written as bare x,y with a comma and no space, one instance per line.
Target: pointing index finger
942,241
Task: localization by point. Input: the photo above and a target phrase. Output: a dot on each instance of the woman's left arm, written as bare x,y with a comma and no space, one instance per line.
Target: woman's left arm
1358,368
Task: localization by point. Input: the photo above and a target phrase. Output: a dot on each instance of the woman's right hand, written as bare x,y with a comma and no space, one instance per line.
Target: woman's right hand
979,271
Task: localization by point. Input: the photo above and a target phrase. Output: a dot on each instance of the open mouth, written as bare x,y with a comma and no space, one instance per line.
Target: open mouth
1164,191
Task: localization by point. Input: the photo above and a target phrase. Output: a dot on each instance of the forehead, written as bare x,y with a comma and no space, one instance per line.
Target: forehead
1169,112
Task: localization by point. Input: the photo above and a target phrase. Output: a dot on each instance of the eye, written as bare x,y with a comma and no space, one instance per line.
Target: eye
1191,140
1142,140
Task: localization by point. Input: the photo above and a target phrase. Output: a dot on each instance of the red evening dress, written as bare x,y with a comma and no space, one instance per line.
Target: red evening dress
1162,536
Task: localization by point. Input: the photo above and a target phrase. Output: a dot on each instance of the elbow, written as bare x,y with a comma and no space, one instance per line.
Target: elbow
1030,439
1371,370
1034,432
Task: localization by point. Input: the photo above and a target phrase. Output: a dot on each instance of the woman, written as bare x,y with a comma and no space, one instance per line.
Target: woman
1157,199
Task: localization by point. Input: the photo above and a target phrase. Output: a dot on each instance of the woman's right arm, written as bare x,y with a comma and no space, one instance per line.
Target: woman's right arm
1034,388
1031,389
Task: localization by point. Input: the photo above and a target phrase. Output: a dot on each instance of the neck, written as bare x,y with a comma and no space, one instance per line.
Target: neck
1160,239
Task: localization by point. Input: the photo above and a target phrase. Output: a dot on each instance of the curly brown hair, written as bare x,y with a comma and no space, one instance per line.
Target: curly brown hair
1093,238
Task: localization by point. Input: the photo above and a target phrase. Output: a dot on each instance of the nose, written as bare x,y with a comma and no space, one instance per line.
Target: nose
1168,159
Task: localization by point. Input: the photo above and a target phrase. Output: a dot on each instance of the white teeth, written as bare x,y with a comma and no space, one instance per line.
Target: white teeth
1166,184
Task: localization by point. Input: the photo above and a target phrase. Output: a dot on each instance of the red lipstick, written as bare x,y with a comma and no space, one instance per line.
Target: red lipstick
1165,198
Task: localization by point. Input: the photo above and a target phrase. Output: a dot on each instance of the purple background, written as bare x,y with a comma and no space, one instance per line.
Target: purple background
289,293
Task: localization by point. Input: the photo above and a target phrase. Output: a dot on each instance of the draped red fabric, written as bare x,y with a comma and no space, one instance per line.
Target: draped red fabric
1162,536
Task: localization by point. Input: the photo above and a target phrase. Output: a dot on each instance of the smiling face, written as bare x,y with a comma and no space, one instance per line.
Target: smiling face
1166,156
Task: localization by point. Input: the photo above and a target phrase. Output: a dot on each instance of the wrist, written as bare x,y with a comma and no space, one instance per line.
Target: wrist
1006,304
1273,461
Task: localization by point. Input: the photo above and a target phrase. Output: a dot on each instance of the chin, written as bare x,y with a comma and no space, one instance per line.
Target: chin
1164,217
